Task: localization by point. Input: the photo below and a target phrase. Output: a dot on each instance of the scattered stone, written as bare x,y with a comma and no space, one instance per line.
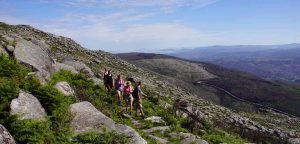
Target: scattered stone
126,115
159,140
294,140
159,128
97,81
27,107
252,128
97,61
10,48
88,119
181,114
79,66
156,119
188,138
64,88
60,66
5,137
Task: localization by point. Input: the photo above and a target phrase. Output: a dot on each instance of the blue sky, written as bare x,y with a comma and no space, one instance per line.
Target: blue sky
153,25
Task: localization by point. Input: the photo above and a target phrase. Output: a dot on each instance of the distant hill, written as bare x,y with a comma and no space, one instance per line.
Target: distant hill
138,56
274,62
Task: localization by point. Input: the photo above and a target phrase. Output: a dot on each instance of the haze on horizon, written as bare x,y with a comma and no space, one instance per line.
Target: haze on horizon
154,25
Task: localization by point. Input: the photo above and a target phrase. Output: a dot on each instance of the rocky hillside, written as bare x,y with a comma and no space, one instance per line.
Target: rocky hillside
240,85
51,92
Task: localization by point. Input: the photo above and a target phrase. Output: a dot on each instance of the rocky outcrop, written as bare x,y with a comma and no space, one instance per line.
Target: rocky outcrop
35,57
60,66
64,88
88,119
5,137
26,106
79,66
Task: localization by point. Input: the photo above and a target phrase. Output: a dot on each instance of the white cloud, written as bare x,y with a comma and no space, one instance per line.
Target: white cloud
136,37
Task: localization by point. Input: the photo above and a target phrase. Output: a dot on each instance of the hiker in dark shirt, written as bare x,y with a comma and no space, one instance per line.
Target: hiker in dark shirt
109,82
105,79
137,99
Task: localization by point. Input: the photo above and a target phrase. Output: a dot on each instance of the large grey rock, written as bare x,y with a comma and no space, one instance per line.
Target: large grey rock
34,56
79,66
27,107
60,66
64,88
5,137
88,119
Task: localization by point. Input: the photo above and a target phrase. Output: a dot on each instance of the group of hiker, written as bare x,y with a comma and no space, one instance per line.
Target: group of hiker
124,91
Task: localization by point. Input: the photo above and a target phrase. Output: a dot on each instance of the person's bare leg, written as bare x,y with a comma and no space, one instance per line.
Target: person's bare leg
131,103
141,111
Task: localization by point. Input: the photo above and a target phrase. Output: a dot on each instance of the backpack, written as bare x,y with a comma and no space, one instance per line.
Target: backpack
128,89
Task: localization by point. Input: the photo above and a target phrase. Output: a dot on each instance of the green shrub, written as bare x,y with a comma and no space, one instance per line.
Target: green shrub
96,138
8,91
30,131
11,76
57,106
10,68
220,136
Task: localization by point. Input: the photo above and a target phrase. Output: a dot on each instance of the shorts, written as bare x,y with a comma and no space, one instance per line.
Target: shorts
119,92
128,98
109,85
